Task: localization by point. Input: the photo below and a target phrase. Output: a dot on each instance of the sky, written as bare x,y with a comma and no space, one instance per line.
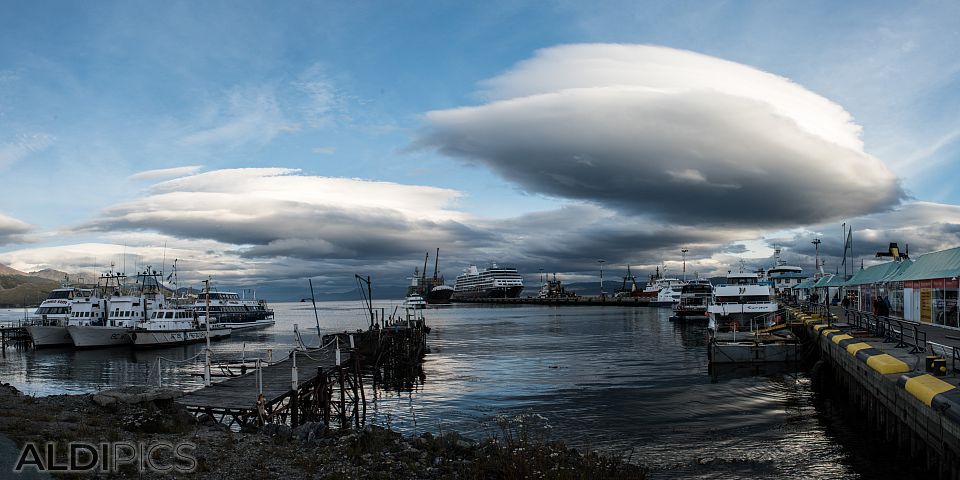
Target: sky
262,143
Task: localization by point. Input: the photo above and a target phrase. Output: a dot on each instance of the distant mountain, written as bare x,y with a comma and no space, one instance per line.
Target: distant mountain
51,274
20,290
5,270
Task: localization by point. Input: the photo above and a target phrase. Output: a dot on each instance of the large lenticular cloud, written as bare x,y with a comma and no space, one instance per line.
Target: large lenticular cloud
685,137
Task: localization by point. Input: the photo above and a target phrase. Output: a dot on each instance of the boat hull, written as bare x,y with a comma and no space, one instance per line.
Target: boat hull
49,336
251,325
439,296
97,336
501,292
166,338
743,317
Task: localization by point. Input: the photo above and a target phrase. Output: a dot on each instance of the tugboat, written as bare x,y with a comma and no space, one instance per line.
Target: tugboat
554,289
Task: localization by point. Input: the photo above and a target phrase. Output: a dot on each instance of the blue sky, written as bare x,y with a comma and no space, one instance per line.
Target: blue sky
93,93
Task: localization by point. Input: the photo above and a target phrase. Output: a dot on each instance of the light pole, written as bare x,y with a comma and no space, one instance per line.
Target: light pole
683,252
816,265
601,276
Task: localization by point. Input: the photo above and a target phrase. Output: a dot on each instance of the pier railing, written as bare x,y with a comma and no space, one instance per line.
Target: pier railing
905,333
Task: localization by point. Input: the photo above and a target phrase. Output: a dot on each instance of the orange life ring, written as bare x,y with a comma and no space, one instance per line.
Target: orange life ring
734,325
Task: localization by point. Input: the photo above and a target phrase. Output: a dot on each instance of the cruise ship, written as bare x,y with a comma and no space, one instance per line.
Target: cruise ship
493,282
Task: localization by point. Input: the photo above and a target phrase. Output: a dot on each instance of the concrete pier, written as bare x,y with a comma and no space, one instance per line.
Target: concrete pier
882,371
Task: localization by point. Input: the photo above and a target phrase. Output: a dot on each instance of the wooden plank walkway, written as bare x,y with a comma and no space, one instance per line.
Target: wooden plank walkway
240,393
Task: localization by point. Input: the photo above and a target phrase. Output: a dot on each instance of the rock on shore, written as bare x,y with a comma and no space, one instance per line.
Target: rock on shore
277,451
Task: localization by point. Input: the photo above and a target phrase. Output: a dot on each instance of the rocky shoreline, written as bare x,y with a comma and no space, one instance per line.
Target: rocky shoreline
277,451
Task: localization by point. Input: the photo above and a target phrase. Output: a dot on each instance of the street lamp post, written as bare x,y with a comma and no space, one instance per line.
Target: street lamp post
684,251
601,277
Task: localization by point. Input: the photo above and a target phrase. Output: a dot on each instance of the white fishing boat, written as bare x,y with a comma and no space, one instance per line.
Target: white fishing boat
668,292
174,326
49,327
106,318
743,303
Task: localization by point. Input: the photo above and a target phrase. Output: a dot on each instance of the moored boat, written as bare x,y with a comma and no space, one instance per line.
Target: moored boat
49,327
231,311
108,315
695,296
174,326
743,303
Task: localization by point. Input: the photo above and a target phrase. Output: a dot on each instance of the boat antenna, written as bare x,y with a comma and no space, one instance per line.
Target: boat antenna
163,262
315,314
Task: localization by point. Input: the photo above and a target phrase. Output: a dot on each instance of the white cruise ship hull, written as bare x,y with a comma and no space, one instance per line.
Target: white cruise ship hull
49,336
97,336
166,338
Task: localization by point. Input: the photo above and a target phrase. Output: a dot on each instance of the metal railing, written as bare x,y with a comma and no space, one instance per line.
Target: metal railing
905,332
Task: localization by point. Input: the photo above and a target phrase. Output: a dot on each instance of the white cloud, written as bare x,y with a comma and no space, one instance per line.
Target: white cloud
166,172
22,146
686,137
324,150
247,115
274,212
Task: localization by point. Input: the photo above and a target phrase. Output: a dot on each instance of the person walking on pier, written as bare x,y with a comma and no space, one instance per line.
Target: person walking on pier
846,305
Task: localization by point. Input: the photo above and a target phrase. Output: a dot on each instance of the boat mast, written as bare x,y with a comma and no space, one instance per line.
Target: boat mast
423,279
436,266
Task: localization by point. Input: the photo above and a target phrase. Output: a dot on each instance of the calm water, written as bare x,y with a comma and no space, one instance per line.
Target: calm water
622,380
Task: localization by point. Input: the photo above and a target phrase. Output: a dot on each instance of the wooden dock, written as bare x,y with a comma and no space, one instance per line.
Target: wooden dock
316,390
14,334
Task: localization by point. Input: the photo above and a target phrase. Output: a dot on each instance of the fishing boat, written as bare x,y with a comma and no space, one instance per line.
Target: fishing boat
668,292
742,303
49,327
174,326
112,310
695,296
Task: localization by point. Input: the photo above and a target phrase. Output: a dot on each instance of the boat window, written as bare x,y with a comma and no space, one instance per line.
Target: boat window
153,315
169,314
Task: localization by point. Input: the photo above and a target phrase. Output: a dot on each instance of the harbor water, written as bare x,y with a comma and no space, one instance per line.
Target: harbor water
622,380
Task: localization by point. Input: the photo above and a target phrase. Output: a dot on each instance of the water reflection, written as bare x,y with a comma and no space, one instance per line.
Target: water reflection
621,379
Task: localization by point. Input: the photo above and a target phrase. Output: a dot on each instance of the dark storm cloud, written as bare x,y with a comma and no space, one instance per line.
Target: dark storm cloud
686,138
922,227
